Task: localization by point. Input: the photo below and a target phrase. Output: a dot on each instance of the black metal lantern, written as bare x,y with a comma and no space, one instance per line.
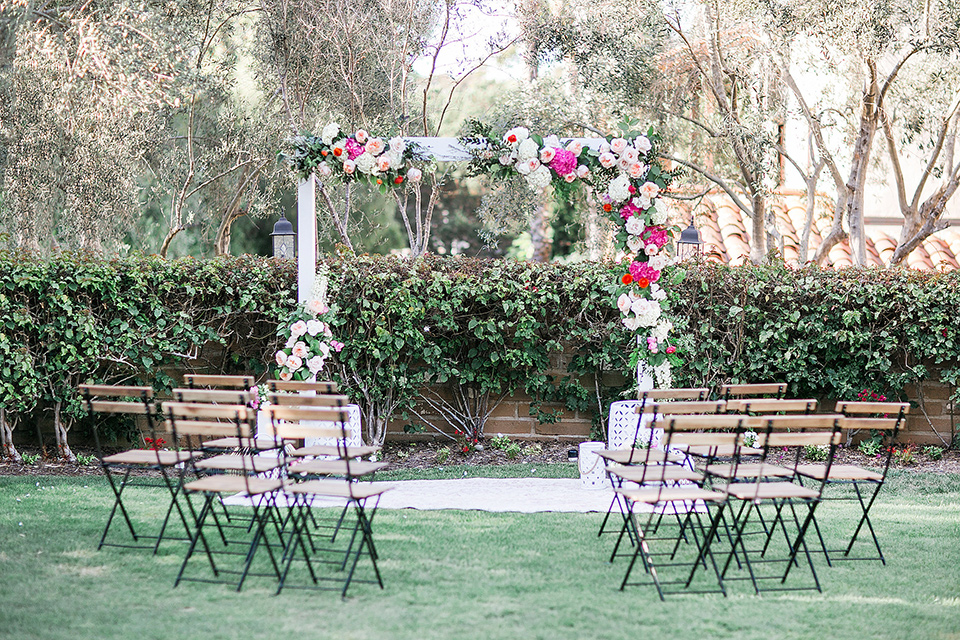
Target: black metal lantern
284,239
689,245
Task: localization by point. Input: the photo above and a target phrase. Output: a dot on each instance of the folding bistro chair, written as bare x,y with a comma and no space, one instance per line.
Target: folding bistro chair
866,483
129,465
323,386
330,458
753,390
658,492
762,484
646,450
239,396
233,474
301,422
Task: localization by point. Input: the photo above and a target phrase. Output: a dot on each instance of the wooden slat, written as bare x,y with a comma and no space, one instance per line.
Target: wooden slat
700,421
771,405
301,385
675,394
812,421
117,406
299,431
706,439
222,396
286,400
116,391
206,380
858,407
692,406
309,413
213,429
762,388
206,410
805,439
880,424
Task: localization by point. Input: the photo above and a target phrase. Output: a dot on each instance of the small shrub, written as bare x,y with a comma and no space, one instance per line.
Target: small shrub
84,461
30,458
816,452
872,446
905,456
933,452
500,441
532,450
749,438
443,455
403,454
512,450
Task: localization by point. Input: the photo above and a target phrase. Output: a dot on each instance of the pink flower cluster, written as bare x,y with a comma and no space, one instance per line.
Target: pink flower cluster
629,210
564,162
655,235
643,270
354,149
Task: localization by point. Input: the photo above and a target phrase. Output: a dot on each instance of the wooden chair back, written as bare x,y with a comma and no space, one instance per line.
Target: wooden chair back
684,407
215,396
771,405
204,419
194,380
118,400
288,423
285,400
673,394
302,385
777,389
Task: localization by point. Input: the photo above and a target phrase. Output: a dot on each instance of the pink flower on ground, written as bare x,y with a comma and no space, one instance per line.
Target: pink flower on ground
655,235
354,149
564,162
643,270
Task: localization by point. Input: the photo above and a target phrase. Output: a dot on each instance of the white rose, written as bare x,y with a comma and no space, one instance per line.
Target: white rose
366,163
607,160
298,328
637,170
642,144
547,155
647,311
506,160
325,170
659,261
349,166
516,135
315,364
641,202
414,174
630,154
575,147
651,249
604,147
281,358
583,171
528,149
526,167
634,244
649,190
324,349
623,303
383,163
619,189
314,327
294,362
397,146
659,216
540,179
635,226
618,145
329,133
623,164
631,322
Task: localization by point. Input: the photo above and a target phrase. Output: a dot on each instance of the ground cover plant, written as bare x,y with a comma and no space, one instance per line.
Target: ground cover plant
458,574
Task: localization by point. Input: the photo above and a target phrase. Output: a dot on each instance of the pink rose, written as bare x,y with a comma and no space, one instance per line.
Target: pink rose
637,170
383,163
286,375
607,160
618,145
316,307
298,328
349,166
281,358
575,147
570,177
375,146
337,346
294,363
649,190
547,154
361,136
583,171
300,350
623,164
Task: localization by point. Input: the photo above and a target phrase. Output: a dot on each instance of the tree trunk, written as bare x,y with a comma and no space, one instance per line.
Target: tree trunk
758,252
539,235
61,428
6,435
859,164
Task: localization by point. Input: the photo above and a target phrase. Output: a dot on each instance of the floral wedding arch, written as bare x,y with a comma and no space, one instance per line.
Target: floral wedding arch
621,170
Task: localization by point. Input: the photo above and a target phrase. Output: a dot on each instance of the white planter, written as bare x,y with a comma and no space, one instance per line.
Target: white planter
593,474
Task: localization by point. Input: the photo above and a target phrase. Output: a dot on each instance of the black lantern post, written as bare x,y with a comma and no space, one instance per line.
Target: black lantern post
689,245
284,239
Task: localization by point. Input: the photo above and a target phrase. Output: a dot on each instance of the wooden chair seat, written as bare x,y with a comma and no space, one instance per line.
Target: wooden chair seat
336,467
234,484
673,494
730,471
234,462
149,457
839,472
261,444
638,456
770,490
339,489
333,450
667,473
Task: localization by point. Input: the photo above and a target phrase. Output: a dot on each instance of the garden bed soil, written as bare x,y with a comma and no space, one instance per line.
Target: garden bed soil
426,455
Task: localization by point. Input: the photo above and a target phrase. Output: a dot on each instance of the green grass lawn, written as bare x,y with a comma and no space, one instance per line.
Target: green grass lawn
461,574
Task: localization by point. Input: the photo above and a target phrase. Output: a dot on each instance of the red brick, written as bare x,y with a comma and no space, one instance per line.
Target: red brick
565,428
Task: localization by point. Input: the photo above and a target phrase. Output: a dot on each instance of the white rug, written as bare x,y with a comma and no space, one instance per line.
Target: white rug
522,495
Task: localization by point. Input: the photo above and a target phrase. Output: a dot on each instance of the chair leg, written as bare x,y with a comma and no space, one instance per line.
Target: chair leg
117,504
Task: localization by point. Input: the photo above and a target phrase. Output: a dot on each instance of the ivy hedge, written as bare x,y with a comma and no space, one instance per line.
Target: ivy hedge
459,334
